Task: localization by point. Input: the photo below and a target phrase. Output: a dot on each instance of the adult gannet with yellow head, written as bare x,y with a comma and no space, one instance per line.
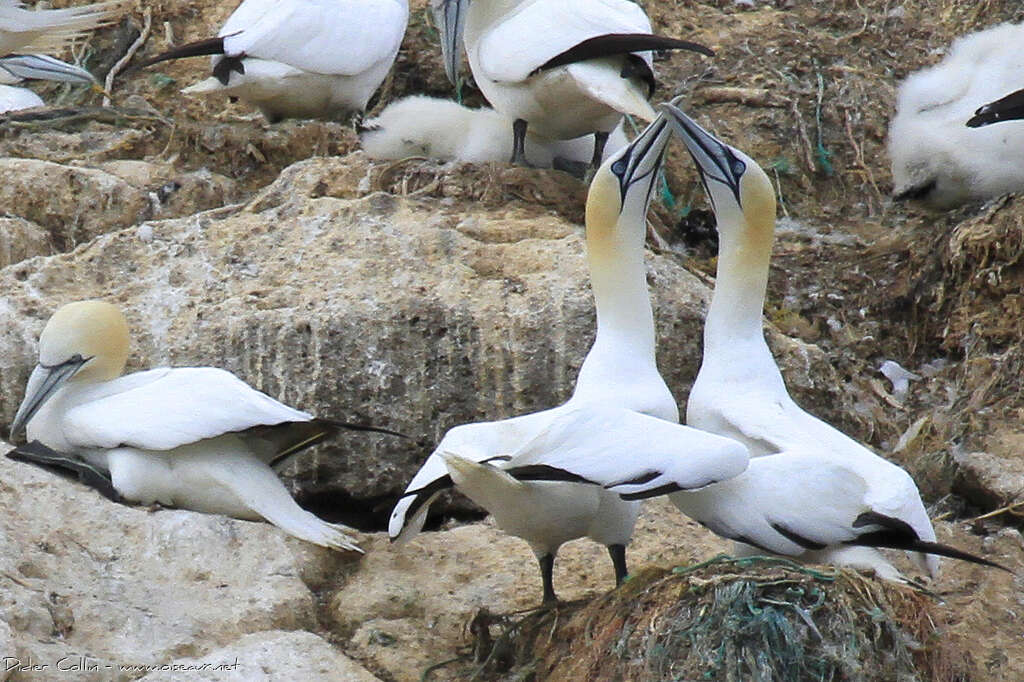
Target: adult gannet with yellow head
17,68
301,58
530,471
197,438
563,68
52,30
810,492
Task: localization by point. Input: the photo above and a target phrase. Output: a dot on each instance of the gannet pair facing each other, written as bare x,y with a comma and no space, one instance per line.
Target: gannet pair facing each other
533,472
197,438
935,158
442,129
301,58
809,492
561,68
17,68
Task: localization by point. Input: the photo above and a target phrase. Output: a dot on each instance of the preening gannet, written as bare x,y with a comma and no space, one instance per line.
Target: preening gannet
17,68
809,492
197,438
562,68
23,30
937,159
442,129
524,470
301,58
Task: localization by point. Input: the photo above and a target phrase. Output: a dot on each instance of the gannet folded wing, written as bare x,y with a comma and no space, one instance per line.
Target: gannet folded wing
304,34
51,30
162,409
479,442
1008,108
522,43
627,452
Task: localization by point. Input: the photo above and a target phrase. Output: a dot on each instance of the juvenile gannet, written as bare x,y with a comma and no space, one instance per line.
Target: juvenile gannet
197,438
562,68
301,58
17,68
937,159
809,492
523,469
23,30
442,129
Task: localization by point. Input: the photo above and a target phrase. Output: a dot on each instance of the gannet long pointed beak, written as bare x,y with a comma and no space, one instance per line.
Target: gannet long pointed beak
714,159
41,67
450,16
635,167
42,384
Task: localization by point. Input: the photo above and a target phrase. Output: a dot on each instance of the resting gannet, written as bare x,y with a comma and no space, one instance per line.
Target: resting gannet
301,58
442,129
523,469
809,492
197,438
937,159
561,68
23,30
17,68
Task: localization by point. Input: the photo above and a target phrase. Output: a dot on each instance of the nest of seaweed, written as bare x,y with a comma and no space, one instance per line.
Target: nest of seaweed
755,618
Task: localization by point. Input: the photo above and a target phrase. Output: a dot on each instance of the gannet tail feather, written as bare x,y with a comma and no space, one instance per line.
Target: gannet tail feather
1007,108
38,454
207,46
620,43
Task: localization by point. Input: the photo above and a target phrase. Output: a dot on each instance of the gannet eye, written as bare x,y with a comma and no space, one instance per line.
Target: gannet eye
619,167
738,168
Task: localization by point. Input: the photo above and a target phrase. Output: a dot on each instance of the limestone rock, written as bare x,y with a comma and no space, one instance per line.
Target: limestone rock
404,312
990,480
21,239
81,576
269,656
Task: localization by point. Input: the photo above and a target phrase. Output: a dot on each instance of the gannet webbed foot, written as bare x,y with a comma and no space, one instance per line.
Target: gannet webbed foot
58,462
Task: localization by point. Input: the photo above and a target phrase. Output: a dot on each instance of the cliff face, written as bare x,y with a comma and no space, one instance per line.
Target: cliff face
419,296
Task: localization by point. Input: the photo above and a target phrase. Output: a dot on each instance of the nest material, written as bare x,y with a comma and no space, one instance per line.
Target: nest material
755,618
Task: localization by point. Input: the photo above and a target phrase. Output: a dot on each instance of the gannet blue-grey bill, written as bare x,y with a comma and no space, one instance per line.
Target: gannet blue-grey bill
41,67
450,17
715,161
637,165
196,437
1008,108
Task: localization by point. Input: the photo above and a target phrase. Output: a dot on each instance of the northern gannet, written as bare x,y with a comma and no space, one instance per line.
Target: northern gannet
562,68
17,68
197,438
935,158
442,129
301,58
1007,108
523,470
23,30
810,491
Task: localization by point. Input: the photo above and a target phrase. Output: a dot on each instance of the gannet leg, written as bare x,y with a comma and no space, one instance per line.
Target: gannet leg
519,143
547,567
618,555
40,455
600,140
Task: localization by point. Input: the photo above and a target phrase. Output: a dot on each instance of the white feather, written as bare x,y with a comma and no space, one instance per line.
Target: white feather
23,30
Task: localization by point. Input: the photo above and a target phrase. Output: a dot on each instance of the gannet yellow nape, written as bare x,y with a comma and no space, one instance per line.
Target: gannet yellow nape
535,473
810,491
301,58
445,130
943,152
562,68
196,438
52,30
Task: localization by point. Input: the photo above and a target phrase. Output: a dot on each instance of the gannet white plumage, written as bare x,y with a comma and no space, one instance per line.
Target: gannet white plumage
810,491
935,158
523,469
197,438
15,69
562,68
443,129
301,58
52,30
